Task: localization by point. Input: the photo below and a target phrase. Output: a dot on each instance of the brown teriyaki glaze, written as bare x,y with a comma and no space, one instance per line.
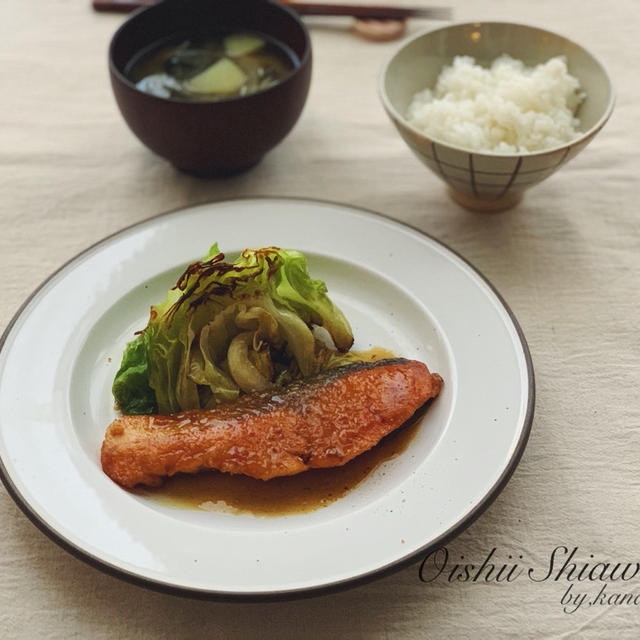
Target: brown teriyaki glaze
320,422
302,493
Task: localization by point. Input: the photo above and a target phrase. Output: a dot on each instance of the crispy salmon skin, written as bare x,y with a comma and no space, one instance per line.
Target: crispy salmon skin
320,422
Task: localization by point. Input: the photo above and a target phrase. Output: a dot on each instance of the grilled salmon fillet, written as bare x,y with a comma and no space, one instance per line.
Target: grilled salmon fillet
320,422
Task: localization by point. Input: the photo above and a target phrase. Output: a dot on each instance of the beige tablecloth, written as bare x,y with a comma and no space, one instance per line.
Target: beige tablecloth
566,260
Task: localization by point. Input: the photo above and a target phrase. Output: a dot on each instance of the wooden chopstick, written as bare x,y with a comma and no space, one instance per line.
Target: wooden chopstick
121,6
310,9
366,11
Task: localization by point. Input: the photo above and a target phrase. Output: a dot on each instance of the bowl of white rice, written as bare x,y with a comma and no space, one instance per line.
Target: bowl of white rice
493,108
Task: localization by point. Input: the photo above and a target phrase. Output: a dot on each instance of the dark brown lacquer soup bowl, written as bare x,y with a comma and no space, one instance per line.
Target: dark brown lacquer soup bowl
211,137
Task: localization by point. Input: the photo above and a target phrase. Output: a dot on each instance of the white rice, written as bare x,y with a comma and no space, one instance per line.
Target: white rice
507,108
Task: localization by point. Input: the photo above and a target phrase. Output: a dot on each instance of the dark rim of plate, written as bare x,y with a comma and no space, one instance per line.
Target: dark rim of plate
338,585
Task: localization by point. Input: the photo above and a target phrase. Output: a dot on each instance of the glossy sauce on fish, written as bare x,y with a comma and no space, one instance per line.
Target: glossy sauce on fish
302,493
337,427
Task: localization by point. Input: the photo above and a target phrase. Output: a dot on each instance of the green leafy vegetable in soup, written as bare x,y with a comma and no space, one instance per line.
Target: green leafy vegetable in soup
227,328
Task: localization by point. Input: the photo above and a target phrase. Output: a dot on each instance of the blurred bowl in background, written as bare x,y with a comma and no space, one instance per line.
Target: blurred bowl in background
485,180
211,137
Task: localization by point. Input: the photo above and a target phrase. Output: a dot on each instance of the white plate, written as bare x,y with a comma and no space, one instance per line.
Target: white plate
399,288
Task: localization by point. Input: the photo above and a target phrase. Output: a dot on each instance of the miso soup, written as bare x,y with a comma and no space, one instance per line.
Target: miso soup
225,65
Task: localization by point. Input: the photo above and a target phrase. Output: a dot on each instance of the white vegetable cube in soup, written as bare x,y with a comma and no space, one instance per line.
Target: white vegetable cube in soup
225,76
241,44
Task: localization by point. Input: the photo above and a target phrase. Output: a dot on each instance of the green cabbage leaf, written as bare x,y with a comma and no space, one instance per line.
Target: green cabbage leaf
232,327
